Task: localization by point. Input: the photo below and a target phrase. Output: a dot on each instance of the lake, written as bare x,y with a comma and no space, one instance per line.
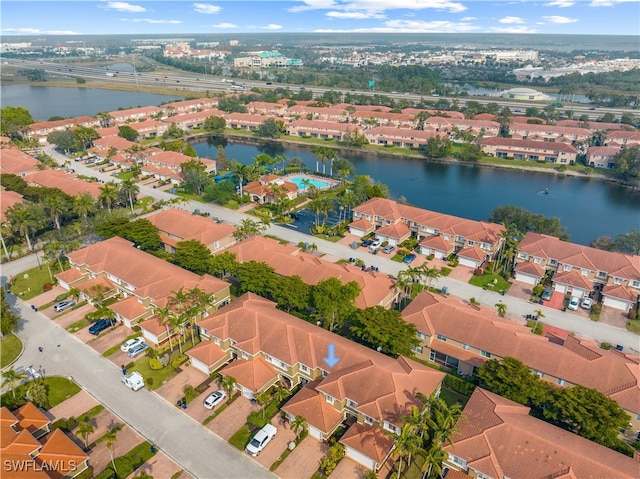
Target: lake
587,208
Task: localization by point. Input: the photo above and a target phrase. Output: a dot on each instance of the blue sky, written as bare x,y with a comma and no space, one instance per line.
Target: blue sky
594,17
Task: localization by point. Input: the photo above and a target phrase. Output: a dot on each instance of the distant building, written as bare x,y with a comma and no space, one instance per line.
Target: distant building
525,94
270,59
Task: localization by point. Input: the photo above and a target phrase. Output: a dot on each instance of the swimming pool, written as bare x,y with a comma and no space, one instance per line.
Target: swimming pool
298,180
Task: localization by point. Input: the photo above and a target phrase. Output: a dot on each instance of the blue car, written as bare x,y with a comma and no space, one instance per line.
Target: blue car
100,325
409,258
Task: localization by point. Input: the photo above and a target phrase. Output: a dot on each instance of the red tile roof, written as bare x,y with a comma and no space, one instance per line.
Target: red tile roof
533,145
314,408
183,226
30,417
370,441
207,352
498,438
253,375
129,308
7,200
66,182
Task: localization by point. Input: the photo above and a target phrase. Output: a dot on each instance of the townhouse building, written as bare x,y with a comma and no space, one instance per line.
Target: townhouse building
259,345
149,128
167,165
16,162
320,129
41,129
266,108
116,268
316,113
245,121
497,438
623,138
266,59
116,142
530,150
474,242
177,225
603,156
527,131
120,117
486,128
580,270
462,337
189,106
66,182
376,289
33,450
401,137
7,200
191,120
381,118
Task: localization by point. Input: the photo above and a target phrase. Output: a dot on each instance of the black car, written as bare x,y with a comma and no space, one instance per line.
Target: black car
367,242
100,325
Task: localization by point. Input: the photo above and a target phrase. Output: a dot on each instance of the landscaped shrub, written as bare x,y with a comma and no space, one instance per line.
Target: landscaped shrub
190,392
72,423
632,314
431,256
329,462
106,474
478,272
123,467
149,381
596,309
61,297
606,346
47,287
458,385
155,365
538,289
86,474
178,361
59,424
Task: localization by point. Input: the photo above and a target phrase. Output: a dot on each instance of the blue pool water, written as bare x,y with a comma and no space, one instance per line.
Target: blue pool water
298,181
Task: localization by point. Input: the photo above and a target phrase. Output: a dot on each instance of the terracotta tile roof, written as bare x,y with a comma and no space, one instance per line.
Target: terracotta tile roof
534,145
30,417
381,385
620,292
154,326
595,125
531,268
287,260
67,182
361,224
57,446
577,362
398,231
108,131
572,278
603,150
140,111
498,438
549,247
437,242
101,282
183,226
473,253
456,352
207,352
7,418
544,129
469,229
313,407
16,162
116,142
151,276
129,308
371,441
329,126
18,442
7,200
253,375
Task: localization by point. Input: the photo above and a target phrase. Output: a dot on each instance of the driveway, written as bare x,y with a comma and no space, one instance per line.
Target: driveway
75,406
196,409
66,318
47,296
160,466
304,460
232,418
100,457
278,444
348,469
613,317
85,336
106,341
173,389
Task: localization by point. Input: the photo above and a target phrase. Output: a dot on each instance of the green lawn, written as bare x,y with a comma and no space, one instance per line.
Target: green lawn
78,325
153,379
633,325
10,348
59,389
493,282
241,437
29,284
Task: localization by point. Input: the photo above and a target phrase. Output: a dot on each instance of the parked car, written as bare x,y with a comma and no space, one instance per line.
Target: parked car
573,303
133,380
129,343
388,249
100,325
62,305
137,350
546,294
215,398
367,242
261,439
409,258
33,373
587,302
376,244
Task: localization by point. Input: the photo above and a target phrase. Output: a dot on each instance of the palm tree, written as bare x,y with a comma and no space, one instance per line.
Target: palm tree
306,183
24,220
11,377
108,195
55,205
263,398
84,205
430,274
5,230
75,293
502,309
53,249
241,171
228,384
110,439
130,189
298,425
432,466
407,443
37,392
85,427
442,425
165,316
200,302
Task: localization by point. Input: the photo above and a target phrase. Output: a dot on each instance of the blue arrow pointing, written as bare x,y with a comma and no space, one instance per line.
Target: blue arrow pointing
331,358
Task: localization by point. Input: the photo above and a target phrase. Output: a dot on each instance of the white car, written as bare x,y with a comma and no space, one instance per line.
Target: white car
33,373
129,343
574,302
376,244
261,439
214,399
587,303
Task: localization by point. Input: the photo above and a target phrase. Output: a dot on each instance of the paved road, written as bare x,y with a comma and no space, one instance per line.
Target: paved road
196,449
562,319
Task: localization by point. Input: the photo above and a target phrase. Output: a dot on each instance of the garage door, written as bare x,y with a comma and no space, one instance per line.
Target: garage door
199,365
526,278
315,433
248,393
468,262
616,303
577,292
360,458
560,288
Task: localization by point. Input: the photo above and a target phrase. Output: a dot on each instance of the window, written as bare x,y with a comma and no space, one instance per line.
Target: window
602,274
635,284
485,246
540,374
523,255
283,365
457,460
267,357
352,404
304,368
465,347
329,399
460,238
417,349
421,335
368,420
245,355
585,272
485,354
390,427
536,260
553,262
471,243
432,356
560,382
617,280
216,244
566,267
441,337
217,341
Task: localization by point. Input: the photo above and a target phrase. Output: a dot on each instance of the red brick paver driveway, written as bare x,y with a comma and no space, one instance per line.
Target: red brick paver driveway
232,418
172,390
47,297
278,444
160,466
75,406
348,469
112,338
100,457
304,460
69,317
196,408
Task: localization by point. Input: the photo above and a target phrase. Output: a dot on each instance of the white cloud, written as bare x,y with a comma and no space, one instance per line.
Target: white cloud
37,31
559,20
609,3
125,7
150,20
560,3
411,26
467,19
512,20
522,29
206,8
378,5
225,25
272,26
354,15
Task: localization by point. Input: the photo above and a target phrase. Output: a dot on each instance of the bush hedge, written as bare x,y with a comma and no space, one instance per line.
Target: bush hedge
458,385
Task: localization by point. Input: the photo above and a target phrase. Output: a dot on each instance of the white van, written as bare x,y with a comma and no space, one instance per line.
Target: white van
133,380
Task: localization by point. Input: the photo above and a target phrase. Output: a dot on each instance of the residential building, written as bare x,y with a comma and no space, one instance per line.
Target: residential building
69,183
527,131
579,270
439,234
376,289
177,225
7,200
320,129
16,162
41,129
268,188
191,120
28,444
112,142
603,156
245,121
530,150
189,106
400,137
266,108
497,438
623,138
267,59
267,346
149,128
173,161
120,117
122,270
462,337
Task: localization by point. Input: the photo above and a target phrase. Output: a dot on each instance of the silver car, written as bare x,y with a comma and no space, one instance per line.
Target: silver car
62,305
